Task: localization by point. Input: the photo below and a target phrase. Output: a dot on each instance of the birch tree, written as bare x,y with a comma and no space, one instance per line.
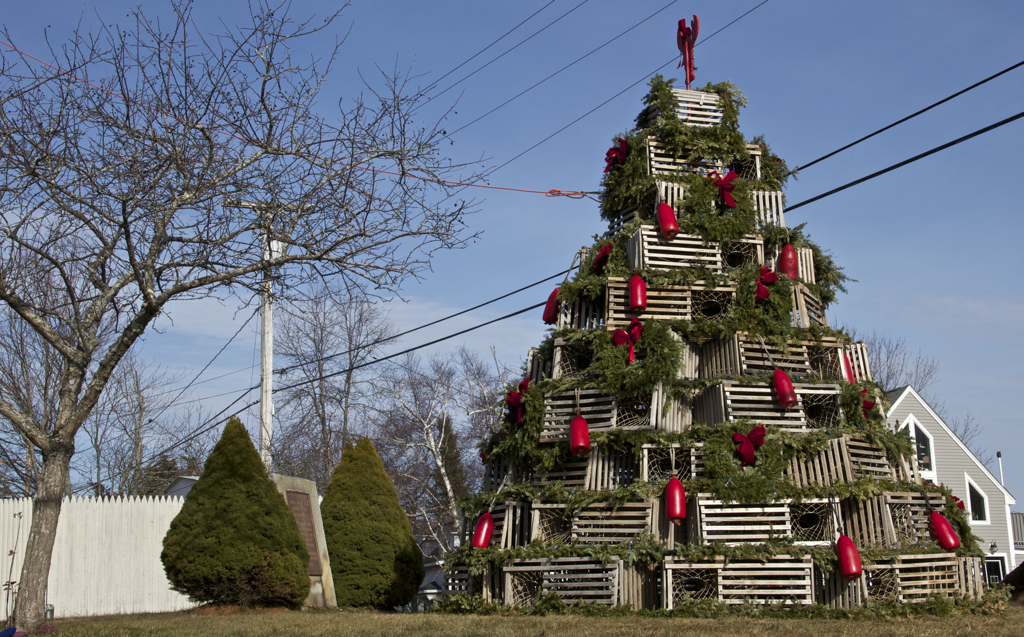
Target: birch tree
144,167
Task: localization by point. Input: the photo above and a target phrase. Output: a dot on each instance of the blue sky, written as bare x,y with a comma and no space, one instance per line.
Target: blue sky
935,247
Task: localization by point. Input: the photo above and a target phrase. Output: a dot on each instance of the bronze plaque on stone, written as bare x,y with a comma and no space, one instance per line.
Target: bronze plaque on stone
298,502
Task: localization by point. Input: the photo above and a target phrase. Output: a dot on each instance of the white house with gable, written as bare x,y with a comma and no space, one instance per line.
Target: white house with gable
943,459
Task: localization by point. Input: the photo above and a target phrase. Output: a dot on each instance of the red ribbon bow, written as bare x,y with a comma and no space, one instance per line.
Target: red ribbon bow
621,337
725,186
685,39
868,404
747,443
959,503
602,257
514,400
616,155
766,277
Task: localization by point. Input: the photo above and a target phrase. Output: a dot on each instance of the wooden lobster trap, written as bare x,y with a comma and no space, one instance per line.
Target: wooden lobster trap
640,586
572,473
694,108
646,249
915,578
781,580
490,584
656,410
739,523
848,459
659,463
743,355
835,591
741,252
498,470
574,579
826,358
667,302
571,359
890,520
537,369
604,523
769,205
807,309
611,469
662,192
818,406
661,161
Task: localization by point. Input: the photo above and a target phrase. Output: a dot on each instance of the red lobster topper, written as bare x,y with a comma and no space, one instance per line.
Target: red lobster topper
616,155
766,277
622,337
685,38
725,186
747,444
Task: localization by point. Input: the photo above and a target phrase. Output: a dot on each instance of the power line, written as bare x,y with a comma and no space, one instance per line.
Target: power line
550,24
491,172
908,161
285,370
910,117
506,102
205,427
434,83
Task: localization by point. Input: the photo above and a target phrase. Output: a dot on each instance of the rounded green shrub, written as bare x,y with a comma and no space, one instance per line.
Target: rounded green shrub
375,560
235,541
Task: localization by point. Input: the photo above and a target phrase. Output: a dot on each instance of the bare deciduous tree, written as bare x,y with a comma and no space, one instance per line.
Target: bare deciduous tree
322,340
893,365
156,182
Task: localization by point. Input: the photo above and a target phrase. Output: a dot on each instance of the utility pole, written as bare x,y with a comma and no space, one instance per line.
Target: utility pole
269,249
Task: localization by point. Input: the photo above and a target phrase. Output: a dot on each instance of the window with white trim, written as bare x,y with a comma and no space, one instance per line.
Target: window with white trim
924,446
979,503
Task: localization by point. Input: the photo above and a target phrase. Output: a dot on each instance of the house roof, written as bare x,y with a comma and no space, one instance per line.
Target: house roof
900,394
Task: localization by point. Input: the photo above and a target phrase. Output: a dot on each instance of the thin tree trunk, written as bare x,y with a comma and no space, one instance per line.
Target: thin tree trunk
31,602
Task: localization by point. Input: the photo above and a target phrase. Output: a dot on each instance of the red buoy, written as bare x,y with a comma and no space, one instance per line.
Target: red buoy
849,558
637,294
848,369
579,436
943,532
667,221
788,263
483,532
675,501
784,391
551,309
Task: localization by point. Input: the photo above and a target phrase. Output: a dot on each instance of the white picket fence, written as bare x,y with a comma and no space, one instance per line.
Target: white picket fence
106,557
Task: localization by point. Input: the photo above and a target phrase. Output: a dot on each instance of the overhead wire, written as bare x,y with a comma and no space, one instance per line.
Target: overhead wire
546,27
879,173
580,59
911,116
478,53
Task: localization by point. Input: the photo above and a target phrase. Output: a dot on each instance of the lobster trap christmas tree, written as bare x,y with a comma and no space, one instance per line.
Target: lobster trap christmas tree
692,428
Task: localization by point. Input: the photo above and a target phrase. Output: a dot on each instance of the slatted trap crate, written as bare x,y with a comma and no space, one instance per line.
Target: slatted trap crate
738,523
661,161
750,169
729,401
652,411
574,579
915,578
846,459
611,469
746,251
769,207
640,586
549,523
662,192
662,462
490,584
807,309
667,302
825,357
781,580
743,355
603,523
694,108
571,359
971,571
890,520
646,249
511,524
498,470
581,314
537,369
572,473
857,354
835,591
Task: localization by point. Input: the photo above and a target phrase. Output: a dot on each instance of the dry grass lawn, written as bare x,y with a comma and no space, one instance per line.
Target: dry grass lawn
288,624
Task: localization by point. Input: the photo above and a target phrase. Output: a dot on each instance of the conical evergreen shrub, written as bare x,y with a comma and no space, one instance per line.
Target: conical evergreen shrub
375,560
235,541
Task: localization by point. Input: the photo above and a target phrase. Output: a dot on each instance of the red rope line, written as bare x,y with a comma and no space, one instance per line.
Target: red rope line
576,194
